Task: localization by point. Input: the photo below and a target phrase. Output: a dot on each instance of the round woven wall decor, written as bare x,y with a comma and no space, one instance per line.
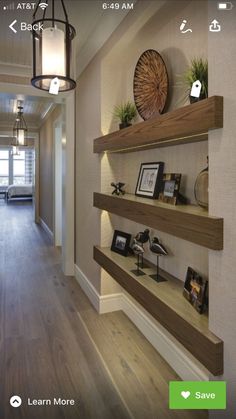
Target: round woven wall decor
150,84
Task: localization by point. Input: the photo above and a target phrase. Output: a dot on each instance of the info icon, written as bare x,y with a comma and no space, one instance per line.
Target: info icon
15,401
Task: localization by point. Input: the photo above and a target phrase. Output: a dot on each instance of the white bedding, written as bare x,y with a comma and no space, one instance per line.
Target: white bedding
19,190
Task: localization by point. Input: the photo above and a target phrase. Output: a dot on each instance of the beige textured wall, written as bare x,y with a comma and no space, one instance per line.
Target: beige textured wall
222,188
107,81
87,171
160,32
46,168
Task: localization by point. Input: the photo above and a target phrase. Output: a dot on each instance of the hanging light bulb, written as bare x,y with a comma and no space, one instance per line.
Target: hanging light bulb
20,130
53,54
52,48
21,137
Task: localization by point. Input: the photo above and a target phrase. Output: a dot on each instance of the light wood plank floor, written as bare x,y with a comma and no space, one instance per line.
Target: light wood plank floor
54,344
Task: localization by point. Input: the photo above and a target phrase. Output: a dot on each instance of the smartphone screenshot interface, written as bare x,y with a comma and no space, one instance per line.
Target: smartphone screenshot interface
117,209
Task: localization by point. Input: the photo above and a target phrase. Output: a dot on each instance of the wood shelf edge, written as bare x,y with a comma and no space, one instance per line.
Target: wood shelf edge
206,347
180,126
196,226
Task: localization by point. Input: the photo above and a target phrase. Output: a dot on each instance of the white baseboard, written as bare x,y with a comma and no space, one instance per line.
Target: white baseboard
175,355
46,228
111,302
88,288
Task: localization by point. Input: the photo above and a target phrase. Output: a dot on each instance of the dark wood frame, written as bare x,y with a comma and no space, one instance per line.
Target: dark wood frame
126,236
199,303
158,182
171,177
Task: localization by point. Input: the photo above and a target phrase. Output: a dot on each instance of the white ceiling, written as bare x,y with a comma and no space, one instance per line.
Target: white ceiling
93,27
34,108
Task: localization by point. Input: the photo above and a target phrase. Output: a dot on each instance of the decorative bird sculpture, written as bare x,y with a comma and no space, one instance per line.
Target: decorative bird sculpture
157,248
138,250
160,250
118,188
143,236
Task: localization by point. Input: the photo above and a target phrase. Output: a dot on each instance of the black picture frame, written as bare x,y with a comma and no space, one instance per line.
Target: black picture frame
121,242
195,290
170,188
150,178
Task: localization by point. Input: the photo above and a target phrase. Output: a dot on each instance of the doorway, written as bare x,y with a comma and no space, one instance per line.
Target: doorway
67,126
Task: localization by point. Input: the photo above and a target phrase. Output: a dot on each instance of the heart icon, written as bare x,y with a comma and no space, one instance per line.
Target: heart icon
185,394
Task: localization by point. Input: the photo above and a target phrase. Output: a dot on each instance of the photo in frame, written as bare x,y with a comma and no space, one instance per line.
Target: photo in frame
150,180
170,188
195,290
121,242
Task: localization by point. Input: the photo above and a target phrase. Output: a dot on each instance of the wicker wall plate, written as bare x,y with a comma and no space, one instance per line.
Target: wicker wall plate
150,84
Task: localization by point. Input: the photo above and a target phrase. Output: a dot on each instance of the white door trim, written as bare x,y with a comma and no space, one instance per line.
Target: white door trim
57,240
36,179
68,185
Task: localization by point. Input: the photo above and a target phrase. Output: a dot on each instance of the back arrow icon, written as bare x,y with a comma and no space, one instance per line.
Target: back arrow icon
11,26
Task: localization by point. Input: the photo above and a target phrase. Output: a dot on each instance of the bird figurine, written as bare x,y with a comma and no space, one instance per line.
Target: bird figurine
118,188
138,250
143,236
160,250
157,248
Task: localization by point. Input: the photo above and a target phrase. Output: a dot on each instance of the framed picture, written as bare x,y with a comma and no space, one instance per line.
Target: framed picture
121,242
195,290
170,188
150,180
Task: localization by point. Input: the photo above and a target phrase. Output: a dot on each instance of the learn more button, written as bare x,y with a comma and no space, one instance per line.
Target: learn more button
197,395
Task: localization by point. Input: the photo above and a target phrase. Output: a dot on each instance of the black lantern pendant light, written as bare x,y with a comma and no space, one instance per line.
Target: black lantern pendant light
20,130
52,47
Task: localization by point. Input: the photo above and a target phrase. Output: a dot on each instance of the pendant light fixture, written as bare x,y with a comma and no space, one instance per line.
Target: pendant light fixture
52,47
20,130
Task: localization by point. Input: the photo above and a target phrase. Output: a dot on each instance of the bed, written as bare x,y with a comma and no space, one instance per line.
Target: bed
19,191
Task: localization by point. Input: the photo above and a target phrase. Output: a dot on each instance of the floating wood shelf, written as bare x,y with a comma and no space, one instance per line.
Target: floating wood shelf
188,222
180,126
165,302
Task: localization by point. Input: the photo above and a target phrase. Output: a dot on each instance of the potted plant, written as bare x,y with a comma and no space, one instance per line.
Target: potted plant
198,70
125,113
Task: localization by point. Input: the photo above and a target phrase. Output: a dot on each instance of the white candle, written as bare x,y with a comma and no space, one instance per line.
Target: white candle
21,137
53,53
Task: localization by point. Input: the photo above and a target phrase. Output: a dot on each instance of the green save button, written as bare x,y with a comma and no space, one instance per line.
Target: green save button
197,395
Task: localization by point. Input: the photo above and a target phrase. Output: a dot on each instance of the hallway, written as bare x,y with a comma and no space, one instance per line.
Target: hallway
54,344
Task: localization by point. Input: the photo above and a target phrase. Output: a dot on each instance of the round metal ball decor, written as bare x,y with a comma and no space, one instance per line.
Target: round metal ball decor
52,47
150,84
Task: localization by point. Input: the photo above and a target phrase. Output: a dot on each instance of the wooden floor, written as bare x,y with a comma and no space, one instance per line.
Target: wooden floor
54,344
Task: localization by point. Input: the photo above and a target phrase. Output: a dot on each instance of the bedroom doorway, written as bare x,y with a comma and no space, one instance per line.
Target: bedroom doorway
16,173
